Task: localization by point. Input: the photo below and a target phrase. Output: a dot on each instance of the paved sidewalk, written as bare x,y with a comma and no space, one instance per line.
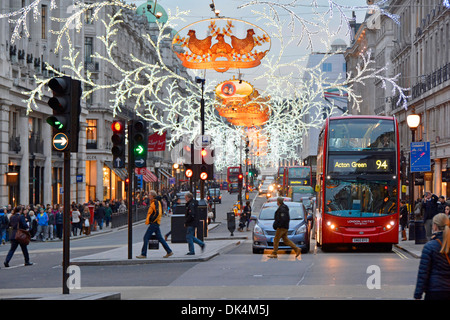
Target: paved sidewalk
410,246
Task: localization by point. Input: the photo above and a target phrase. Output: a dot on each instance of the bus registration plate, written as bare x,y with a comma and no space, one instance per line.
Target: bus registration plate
360,240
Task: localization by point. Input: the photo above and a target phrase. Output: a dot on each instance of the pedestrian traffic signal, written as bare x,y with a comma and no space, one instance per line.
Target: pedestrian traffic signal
66,107
118,140
139,142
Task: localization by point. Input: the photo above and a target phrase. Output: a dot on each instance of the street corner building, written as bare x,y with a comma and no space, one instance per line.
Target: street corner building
31,172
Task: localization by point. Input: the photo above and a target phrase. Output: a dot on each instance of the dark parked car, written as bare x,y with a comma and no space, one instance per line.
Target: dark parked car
299,227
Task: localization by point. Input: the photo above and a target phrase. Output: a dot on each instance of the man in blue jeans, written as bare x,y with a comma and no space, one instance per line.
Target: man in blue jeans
153,221
190,223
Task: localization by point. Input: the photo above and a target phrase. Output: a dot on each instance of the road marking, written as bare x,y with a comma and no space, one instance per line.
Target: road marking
17,266
400,254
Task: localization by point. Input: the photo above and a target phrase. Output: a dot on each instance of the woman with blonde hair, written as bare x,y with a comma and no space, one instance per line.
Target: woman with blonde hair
434,268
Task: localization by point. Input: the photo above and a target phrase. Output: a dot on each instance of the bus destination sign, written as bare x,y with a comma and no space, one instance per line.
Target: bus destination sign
355,164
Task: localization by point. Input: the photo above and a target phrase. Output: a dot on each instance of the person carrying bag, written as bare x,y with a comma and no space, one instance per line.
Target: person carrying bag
19,236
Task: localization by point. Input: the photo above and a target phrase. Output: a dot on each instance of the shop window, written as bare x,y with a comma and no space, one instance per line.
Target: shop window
91,134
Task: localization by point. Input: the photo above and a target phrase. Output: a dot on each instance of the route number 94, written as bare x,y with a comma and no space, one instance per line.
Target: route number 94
382,164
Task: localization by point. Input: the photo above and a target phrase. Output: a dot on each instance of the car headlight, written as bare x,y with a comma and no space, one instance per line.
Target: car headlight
301,229
271,188
258,230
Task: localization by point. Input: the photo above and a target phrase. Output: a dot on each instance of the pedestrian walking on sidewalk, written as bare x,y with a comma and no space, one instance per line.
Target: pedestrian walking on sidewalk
153,221
17,221
430,204
281,225
433,277
190,222
403,218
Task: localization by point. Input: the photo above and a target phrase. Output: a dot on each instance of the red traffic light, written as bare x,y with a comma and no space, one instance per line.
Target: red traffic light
240,176
117,126
189,173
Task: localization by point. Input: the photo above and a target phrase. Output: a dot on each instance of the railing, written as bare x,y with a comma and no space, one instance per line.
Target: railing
14,144
119,219
431,80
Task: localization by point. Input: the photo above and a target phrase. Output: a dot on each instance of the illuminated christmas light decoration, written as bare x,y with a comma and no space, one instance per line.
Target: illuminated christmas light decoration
241,50
153,87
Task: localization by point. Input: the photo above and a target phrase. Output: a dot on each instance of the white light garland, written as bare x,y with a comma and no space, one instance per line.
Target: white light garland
172,102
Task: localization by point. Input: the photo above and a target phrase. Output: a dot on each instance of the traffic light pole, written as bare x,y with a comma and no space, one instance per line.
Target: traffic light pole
202,119
129,194
66,222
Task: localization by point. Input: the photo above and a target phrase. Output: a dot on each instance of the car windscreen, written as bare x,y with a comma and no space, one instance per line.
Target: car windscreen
268,213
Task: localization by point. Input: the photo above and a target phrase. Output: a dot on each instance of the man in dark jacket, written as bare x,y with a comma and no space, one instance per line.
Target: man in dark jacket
430,207
99,214
190,223
281,225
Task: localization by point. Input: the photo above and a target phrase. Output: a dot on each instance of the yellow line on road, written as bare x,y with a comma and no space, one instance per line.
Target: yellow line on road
400,254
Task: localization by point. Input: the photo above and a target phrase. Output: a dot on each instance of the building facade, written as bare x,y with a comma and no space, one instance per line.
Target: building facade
30,171
418,49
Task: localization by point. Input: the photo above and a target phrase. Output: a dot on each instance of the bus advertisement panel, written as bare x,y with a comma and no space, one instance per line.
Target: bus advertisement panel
359,183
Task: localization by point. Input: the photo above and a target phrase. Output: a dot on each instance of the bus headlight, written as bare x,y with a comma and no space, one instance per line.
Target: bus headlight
390,225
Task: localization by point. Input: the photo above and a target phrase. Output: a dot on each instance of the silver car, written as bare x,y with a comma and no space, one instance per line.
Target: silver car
299,227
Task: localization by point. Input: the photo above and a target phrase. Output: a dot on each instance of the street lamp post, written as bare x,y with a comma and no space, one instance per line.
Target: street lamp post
413,121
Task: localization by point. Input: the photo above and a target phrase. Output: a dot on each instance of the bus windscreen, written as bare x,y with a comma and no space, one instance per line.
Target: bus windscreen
360,198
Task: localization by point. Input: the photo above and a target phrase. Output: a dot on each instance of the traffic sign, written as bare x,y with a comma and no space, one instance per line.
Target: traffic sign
202,141
139,163
420,157
140,171
119,163
60,141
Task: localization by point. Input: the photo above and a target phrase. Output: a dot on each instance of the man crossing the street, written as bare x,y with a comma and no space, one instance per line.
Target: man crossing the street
153,221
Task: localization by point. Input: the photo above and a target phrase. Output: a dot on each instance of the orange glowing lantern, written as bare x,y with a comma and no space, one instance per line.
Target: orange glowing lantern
240,104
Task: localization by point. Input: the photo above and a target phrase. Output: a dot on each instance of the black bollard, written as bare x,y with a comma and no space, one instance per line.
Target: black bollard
411,227
231,222
420,234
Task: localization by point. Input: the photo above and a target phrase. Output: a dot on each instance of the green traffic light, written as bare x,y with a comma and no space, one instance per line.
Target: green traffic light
54,122
139,150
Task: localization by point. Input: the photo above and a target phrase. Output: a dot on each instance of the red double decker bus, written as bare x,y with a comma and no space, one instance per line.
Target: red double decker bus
358,181
232,178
